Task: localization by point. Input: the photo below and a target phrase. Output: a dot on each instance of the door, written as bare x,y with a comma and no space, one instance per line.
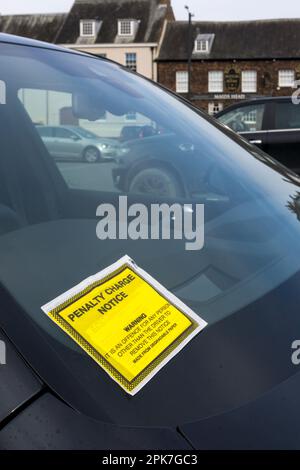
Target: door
67,144
248,121
284,134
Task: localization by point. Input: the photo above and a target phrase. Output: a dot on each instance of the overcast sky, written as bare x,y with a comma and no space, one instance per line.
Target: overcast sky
203,9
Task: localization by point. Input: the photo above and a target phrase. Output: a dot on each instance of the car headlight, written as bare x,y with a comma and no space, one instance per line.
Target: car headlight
104,146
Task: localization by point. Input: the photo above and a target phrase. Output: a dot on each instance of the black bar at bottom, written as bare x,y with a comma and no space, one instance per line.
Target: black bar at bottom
136,459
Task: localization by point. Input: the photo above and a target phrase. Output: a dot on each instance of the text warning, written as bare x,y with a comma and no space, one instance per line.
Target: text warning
126,321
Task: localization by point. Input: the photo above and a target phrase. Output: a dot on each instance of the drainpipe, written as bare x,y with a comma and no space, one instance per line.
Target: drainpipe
189,49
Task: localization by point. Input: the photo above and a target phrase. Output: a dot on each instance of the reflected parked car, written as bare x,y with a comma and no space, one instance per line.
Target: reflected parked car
272,124
76,143
163,165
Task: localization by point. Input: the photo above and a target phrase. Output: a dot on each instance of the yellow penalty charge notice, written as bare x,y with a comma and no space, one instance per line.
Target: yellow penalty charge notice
126,321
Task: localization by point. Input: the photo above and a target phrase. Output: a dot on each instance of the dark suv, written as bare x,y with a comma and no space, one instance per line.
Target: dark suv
272,124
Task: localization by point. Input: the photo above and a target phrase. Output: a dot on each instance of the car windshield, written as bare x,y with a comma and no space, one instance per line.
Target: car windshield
50,192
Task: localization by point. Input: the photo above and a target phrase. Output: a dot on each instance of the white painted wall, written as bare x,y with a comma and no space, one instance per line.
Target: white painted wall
145,56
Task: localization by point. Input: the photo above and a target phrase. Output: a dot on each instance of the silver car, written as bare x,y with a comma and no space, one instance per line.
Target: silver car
76,143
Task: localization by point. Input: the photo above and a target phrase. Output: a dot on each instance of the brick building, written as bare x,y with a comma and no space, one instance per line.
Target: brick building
231,61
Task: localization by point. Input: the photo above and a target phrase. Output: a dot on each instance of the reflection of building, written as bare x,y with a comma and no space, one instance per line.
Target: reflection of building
52,108
231,61
127,31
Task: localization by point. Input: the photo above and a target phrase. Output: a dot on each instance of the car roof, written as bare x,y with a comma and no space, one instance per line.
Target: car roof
21,41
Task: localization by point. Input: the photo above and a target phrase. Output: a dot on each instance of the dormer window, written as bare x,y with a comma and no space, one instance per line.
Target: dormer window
89,28
203,43
127,27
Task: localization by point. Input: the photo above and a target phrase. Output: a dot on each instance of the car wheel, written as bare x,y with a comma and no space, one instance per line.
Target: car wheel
91,155
158,181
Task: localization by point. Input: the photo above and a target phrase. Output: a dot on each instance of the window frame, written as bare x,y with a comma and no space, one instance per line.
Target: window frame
201,41
180,83
246,83
211,89
84,23
213,104
133,66
281,80
131,27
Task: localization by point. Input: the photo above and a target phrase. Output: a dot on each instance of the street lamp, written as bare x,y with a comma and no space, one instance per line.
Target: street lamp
190,16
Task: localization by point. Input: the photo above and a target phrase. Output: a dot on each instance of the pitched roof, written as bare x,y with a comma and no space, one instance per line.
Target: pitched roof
262,39
150,14
43,27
